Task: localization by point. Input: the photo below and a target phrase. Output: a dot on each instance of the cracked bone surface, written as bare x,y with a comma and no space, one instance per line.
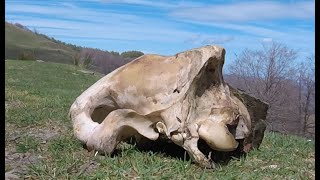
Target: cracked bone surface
182,97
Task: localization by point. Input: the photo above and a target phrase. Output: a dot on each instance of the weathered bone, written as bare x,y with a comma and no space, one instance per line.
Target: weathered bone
181,97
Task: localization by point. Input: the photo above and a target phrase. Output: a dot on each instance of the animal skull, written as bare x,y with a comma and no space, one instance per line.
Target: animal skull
181,97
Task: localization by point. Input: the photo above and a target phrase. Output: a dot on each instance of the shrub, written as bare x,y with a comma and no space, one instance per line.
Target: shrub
131,54
27,55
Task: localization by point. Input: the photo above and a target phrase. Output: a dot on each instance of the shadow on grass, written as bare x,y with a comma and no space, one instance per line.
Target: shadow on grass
172,150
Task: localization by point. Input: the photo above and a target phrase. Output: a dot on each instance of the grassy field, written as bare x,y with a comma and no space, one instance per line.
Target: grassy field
39,142
18,40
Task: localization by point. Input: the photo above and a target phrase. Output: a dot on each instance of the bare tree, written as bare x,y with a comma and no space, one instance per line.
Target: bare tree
101,61
76,58
87,56
107,62
268,74
306,81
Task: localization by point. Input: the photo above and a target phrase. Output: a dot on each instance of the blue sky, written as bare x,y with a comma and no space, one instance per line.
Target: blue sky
170,26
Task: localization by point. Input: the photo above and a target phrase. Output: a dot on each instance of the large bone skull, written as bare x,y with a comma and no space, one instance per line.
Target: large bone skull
183,98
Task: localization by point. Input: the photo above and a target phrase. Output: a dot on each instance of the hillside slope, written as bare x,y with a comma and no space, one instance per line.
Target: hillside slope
19,41
39,138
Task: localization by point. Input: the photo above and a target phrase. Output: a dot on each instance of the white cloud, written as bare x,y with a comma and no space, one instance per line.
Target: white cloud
166,4
142,3
218,40
68,11
73,21
121,32
247,11
289,35
241,28
194,39
202,39
267,40
80,22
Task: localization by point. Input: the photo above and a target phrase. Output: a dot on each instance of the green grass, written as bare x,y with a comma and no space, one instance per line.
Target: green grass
18,40
27,144
38,97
